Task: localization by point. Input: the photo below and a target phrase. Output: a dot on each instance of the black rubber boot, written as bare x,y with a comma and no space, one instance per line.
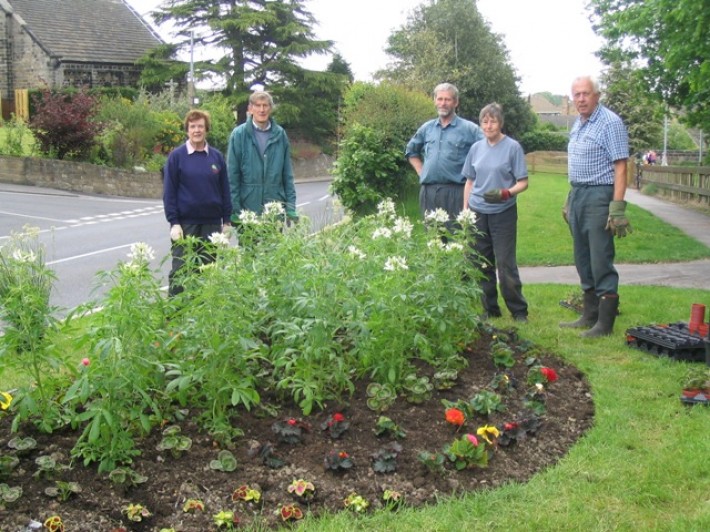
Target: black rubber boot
608,310
590,312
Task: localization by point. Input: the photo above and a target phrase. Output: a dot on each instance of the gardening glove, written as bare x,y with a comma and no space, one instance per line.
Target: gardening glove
565,210
292,216
497,195
176,232
617,222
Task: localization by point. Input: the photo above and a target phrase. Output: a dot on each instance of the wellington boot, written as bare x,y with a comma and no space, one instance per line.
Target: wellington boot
590,312
608,310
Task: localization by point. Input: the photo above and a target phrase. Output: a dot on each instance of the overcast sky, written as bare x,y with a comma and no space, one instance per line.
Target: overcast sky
550,41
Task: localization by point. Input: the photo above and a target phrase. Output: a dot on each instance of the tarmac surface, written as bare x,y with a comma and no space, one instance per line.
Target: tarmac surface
694,274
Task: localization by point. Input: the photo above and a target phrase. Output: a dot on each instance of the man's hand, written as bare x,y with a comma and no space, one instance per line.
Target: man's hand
226,229
565,210
497,195
176,232
617,222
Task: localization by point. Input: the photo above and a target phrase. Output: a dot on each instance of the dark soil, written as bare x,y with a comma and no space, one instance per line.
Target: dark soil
171,481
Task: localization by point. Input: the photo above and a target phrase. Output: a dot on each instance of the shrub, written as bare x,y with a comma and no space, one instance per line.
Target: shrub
379,120
542,140
15,138
64,124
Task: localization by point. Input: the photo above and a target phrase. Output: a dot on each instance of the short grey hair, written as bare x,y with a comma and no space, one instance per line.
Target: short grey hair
260,96
595,84
447,87
494,110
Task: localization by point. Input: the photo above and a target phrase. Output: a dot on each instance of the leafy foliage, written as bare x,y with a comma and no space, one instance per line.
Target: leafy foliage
450,41
668,38
64,125
379,120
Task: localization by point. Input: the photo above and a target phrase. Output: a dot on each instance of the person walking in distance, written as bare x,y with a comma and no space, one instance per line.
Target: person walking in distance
595,208
437,152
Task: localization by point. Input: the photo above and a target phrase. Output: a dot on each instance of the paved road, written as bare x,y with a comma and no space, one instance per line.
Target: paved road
83,235
693,274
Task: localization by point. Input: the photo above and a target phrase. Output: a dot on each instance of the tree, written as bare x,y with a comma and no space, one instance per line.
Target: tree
449,40
338,65
625,94
668,40
260,40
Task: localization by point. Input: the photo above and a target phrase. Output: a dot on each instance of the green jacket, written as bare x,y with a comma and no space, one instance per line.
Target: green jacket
255,180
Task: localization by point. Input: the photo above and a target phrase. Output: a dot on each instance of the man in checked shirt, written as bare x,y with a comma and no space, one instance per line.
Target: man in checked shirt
595,208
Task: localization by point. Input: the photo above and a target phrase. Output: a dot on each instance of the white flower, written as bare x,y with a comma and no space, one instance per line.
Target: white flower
453,246
219,239
438,215
355,252
141,253
249,218
386,208
273,208
382,232
24,256
402,226
435,243
396,263
466,217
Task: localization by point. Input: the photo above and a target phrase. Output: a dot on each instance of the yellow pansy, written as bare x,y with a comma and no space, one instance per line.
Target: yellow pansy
486,430
5,400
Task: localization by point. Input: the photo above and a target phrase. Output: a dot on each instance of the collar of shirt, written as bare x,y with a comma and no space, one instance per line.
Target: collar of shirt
450,124
267,128
191,149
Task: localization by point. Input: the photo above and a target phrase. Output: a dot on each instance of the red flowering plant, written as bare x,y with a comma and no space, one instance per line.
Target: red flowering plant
338,460
335,425
455,416
539,374
290,430
515,431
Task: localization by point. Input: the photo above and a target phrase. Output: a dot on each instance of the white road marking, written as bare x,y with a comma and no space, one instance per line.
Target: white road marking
83,255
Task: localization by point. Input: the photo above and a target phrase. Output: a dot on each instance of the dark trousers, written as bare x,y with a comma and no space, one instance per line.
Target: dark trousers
495,246
593,244
201,231
447,196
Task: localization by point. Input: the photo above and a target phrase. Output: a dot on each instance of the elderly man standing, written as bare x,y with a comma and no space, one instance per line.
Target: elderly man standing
259,161
595,208
437,152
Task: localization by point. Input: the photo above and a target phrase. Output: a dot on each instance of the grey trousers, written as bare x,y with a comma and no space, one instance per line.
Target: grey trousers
593,245
496,249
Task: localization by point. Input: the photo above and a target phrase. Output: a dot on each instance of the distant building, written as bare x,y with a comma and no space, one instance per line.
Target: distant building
63,43
561,115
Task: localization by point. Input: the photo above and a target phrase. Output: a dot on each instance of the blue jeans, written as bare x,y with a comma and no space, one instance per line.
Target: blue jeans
495,246
593,244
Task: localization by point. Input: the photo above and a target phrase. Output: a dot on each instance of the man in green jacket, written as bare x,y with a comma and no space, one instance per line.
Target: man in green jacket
259,161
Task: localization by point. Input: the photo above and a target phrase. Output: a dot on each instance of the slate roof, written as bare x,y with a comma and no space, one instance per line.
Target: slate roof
89,31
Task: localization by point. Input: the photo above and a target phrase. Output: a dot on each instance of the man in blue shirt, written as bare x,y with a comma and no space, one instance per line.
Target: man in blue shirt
595,209
437,152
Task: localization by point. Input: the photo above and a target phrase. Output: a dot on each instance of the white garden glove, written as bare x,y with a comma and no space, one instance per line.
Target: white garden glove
176,232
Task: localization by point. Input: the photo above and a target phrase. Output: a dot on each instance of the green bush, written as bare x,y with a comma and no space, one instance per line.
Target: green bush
379,120
543,140
221,120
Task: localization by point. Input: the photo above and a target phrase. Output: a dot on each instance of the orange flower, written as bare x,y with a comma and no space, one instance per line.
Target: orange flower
455,416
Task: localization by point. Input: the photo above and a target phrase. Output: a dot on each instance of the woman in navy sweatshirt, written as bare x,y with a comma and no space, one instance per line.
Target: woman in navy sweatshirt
196,194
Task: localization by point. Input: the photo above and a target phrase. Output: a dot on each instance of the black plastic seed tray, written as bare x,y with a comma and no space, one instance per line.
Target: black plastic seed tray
673,340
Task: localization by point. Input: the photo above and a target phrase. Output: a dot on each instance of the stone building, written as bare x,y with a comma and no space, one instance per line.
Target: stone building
62,43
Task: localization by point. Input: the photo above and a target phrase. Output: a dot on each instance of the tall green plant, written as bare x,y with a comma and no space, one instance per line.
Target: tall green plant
29,327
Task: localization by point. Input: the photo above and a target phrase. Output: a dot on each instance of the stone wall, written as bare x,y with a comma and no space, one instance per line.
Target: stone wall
92,179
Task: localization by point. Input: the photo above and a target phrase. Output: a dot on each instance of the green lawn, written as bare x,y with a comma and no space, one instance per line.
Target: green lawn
544,239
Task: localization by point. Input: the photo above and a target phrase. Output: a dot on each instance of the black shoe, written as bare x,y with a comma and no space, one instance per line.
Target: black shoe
494,314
